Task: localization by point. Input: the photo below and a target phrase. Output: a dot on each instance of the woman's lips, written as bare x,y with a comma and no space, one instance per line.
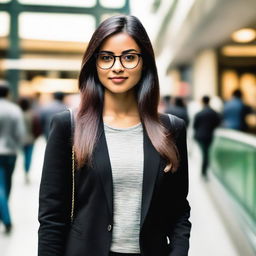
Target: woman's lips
118,80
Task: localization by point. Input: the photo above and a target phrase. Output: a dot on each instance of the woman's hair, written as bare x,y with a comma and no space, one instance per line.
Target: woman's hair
147,93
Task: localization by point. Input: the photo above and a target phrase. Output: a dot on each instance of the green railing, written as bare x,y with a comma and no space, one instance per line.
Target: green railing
233,162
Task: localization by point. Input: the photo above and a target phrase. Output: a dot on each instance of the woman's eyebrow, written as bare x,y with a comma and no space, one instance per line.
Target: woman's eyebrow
130,50
109,52
123,52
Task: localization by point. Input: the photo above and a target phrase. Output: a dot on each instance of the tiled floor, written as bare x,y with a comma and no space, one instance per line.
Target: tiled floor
208,237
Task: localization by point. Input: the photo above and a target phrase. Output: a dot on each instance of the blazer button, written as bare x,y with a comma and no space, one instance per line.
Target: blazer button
109,227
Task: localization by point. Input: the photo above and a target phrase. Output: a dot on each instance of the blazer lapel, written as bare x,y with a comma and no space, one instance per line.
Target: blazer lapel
103,166
151,168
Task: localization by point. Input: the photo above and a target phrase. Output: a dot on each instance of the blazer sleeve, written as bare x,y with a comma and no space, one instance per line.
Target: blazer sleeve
55,189
180,230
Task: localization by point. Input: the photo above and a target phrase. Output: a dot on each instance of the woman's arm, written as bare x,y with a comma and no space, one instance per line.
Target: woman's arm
180,231
55,189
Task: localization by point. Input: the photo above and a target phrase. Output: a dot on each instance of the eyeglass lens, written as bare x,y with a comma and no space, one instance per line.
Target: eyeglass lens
106,61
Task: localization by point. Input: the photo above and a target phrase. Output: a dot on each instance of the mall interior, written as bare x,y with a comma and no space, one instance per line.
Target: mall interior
202,47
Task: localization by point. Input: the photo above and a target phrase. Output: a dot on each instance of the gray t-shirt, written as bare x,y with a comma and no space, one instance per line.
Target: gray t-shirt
12,127
125,147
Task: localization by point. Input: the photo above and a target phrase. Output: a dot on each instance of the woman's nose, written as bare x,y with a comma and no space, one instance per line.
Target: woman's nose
117,67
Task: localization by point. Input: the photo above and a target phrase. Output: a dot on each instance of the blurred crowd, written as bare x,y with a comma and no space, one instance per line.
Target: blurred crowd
21,124
231,114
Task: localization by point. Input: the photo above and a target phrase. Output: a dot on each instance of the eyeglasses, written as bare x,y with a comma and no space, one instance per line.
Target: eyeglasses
127,60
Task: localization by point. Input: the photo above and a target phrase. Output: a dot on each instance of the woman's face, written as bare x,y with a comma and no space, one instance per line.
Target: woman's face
119,79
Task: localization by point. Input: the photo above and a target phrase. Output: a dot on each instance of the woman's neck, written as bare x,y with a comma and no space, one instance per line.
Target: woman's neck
120,110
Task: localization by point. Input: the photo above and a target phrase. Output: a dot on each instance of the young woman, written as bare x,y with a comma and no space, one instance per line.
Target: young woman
131,178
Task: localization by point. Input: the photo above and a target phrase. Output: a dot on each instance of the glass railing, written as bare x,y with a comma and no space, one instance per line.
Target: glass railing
233,161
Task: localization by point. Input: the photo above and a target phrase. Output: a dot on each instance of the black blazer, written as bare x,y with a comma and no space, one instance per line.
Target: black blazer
164,212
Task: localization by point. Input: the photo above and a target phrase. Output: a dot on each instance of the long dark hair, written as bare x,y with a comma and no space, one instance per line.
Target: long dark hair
147,93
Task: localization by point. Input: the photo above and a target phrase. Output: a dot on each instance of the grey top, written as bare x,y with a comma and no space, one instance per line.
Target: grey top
125,147
12,127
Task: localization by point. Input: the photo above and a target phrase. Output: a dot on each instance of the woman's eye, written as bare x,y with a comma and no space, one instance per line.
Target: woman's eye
129,57
106,58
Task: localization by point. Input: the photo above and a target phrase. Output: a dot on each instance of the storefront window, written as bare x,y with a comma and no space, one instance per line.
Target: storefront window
112,4
82,3
57,27
5,24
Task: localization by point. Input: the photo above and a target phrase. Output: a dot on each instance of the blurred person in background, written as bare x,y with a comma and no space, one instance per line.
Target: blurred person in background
33,130
205,122
36,105
179,109
12,131
163,103
49,110
130,184
235,112
166,99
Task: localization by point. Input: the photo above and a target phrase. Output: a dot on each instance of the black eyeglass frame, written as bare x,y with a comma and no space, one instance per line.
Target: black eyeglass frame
118,56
